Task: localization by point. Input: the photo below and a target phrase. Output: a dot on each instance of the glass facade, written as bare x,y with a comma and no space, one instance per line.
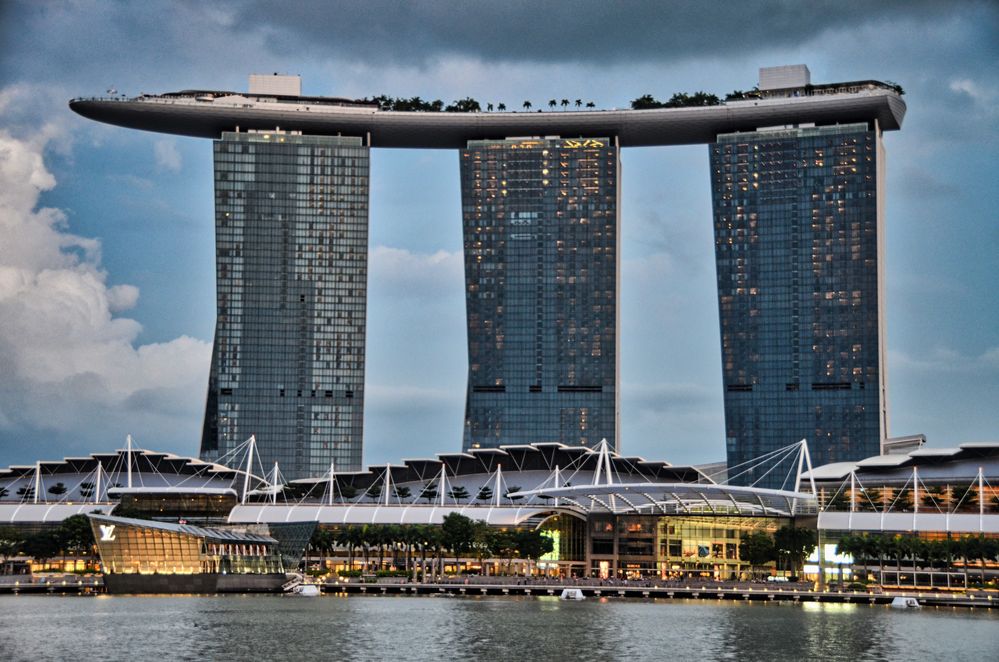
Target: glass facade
638,546
291,236
135,547
798,244
541,225
707,546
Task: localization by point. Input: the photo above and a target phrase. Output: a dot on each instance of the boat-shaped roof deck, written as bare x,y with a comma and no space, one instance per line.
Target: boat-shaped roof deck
207,114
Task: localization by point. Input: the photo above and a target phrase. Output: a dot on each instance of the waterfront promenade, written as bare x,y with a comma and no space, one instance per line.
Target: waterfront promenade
741,591
591,588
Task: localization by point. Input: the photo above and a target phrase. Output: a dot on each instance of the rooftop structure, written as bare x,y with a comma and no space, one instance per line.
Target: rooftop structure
276,84
209,113
927,490
788,76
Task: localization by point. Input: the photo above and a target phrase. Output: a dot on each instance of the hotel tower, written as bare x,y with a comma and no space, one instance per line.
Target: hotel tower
291,233
541,230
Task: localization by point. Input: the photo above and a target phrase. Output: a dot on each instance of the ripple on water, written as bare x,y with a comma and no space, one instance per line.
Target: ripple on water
495,628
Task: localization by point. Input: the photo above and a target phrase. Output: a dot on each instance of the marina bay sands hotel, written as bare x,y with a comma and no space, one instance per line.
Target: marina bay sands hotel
797,181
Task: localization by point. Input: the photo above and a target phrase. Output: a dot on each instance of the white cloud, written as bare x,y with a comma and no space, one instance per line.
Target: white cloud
167,155
400,272
974,90
69,365
938,360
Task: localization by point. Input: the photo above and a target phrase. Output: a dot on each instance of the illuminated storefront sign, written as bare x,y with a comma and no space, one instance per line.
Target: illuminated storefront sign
587,142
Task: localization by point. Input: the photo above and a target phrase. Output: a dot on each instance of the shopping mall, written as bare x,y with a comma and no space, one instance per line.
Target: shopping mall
608,515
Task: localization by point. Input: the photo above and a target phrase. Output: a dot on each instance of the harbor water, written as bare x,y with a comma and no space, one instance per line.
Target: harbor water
481,628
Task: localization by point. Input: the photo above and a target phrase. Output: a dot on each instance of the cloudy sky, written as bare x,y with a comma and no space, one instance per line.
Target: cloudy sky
106,234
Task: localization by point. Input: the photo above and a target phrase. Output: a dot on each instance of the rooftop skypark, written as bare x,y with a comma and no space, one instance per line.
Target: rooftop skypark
682,119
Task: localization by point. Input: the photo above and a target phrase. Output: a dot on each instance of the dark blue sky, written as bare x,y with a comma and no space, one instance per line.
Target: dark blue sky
106,235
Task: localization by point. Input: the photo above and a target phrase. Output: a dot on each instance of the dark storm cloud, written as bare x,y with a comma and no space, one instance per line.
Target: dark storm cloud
557,31
195,38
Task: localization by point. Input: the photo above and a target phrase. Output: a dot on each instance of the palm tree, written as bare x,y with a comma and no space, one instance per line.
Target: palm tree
565,104
881,546
590,104
367,540
322,541
489,107
409,535
527,105
429,492
965,499
374,491
10,542
402,493
458,493
874,499
350,537
978,549
579,102
552,103
347,492
381,536
485,493
458,534
502,106
851,545
963,548
429,539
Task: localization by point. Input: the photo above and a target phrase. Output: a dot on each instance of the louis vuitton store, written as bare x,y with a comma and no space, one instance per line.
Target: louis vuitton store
143,556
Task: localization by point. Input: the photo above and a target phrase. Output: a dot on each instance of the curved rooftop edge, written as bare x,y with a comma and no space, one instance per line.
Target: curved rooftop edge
932,462
206,116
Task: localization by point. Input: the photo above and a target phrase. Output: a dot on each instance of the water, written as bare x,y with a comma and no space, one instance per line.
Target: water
485,628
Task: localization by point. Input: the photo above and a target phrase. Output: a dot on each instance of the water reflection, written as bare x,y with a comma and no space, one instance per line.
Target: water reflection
411,628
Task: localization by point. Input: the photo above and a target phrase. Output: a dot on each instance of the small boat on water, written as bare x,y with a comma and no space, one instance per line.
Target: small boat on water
906,603
572,594
307,590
